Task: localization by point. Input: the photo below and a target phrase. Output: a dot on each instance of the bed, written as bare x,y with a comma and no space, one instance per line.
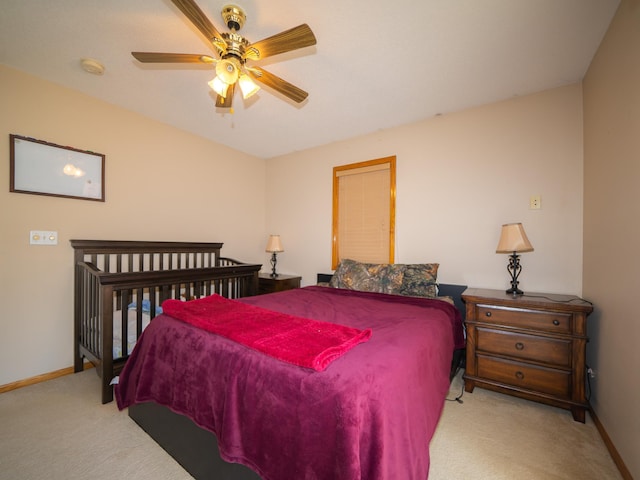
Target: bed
119,287
226,409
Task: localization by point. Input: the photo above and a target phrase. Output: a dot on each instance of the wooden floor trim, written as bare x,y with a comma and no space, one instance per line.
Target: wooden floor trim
617,459
39,378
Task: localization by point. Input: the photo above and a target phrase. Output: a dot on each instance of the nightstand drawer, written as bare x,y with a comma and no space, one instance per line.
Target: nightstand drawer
539,379
537,320
552,351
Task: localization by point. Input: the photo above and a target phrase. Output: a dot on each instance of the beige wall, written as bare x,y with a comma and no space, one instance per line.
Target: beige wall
161,184
612,229
459,178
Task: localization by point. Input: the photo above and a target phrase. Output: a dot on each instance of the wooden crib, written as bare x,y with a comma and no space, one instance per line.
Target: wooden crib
120,286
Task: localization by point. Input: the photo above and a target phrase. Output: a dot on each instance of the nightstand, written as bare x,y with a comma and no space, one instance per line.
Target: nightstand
269,284
531,346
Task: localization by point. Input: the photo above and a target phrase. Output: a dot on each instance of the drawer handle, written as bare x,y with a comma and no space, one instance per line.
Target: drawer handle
519,346
556,322
519,375
488,314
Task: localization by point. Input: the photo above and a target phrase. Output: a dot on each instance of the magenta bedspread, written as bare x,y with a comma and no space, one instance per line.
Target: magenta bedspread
297,340
369,416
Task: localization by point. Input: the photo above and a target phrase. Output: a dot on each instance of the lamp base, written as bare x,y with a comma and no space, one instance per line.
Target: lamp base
274,261
514,268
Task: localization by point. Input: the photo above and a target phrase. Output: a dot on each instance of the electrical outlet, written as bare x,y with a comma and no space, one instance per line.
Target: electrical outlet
591,372
534,202
43,237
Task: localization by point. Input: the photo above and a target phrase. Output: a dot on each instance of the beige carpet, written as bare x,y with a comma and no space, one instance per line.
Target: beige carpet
59,430
498,437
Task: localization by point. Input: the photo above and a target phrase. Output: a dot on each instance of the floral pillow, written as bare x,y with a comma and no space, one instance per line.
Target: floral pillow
367,277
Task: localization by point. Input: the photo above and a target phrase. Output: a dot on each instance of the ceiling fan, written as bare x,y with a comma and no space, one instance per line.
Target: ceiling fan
234,50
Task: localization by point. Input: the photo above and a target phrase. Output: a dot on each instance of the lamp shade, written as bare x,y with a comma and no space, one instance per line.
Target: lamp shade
247,86
219,87
274,244
513,239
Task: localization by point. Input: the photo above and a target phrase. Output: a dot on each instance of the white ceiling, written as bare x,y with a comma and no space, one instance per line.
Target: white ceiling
377,63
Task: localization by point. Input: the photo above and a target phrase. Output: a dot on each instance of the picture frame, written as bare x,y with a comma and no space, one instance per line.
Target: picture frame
43,168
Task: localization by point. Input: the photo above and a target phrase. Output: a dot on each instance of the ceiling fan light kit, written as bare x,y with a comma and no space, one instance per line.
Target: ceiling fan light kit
219,87
234,50
227,70
247,86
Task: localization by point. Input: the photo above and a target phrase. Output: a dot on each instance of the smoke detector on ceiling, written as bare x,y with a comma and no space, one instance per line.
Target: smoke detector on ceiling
92,66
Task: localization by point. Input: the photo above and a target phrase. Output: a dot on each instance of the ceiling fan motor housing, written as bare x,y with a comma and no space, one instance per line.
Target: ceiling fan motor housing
236,46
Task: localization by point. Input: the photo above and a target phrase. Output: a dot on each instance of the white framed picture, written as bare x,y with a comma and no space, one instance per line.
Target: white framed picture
43,168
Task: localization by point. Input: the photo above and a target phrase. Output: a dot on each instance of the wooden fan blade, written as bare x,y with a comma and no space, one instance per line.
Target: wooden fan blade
292,39
269,79
202,23
150,57
222,102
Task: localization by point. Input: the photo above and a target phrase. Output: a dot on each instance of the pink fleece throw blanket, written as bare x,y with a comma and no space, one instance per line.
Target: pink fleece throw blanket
296,340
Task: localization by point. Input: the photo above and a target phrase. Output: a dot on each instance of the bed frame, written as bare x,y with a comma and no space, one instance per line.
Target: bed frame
110,276
196,449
